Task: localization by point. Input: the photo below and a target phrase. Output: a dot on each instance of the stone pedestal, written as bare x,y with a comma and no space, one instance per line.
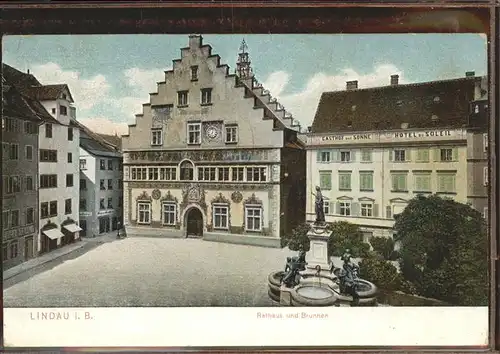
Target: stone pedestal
285,297
318,252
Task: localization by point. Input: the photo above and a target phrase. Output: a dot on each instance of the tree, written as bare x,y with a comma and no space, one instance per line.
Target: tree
444,248
384,246
346,236
297,240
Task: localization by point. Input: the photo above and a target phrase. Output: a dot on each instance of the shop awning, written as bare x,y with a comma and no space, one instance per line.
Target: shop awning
53,234
72,227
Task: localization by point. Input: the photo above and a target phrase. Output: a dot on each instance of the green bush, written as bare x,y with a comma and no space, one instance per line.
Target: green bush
385,247
346,236
381,273
297,240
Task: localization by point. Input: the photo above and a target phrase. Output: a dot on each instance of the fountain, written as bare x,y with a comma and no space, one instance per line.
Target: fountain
316,281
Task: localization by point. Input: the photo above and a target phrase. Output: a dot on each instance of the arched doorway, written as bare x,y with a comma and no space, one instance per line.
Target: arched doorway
194,223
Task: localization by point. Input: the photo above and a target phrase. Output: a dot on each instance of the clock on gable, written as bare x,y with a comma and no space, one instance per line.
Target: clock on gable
212,132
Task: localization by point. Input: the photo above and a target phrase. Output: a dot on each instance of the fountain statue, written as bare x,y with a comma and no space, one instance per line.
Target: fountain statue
291,276
319,207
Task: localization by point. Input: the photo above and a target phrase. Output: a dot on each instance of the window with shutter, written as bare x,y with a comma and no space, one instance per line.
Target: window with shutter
485,142
388,212
399,182
422,155
344,181
366,181
446,183
485,176
325,180
367,209
422,182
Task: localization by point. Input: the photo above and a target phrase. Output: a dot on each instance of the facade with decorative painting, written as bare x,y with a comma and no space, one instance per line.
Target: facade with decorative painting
213,155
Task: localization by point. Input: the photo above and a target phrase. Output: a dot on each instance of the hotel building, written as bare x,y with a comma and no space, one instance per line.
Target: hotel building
372,150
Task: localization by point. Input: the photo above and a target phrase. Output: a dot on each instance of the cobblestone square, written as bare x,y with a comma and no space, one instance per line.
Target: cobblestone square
154,272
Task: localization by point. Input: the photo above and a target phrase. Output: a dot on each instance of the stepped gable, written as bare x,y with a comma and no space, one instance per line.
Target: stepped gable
263,99
22,102
436,104
262,96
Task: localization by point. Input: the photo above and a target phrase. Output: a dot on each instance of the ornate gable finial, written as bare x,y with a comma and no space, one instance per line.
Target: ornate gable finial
144,197
243,46
253,200
243,68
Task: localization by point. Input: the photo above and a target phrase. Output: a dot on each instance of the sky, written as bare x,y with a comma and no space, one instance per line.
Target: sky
111,76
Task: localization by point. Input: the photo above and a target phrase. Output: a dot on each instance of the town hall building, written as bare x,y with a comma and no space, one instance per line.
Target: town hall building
213,155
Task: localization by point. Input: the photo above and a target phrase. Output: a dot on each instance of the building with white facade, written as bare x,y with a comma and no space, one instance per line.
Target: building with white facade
213,155
100,183
372,150
58,169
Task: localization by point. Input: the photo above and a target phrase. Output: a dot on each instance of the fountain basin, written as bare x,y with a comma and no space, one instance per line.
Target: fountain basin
313,293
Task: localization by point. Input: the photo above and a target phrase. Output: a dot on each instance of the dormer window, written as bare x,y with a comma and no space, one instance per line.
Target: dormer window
194,73
64,97
63,110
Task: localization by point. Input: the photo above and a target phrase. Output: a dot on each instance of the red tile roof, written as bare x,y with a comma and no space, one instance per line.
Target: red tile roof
436,104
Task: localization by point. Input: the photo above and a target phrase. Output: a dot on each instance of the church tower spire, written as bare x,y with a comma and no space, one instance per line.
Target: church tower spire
243,68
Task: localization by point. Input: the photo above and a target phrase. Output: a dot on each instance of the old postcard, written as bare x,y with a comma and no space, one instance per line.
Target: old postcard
241,187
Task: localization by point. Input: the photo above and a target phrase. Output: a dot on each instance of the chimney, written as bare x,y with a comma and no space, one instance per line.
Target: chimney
470,74
352,85
28,71
394,80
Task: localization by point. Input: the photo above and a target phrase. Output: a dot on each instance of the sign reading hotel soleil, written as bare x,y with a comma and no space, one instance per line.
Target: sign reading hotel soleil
428,135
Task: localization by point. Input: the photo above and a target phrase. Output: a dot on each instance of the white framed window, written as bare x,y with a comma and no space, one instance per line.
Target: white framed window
399,155
326,207
399,182
83,164
194,133
182,98
485,176
325,156
345,156
138,173
422,182
446,155
223,173
207,173
237,174
345,208
446,182
485,142
366,155
206,96
168,212
143,213
485,214
153,173
253,218
168,173
232,134
156,137
186,172
367,209
220,216
256,174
